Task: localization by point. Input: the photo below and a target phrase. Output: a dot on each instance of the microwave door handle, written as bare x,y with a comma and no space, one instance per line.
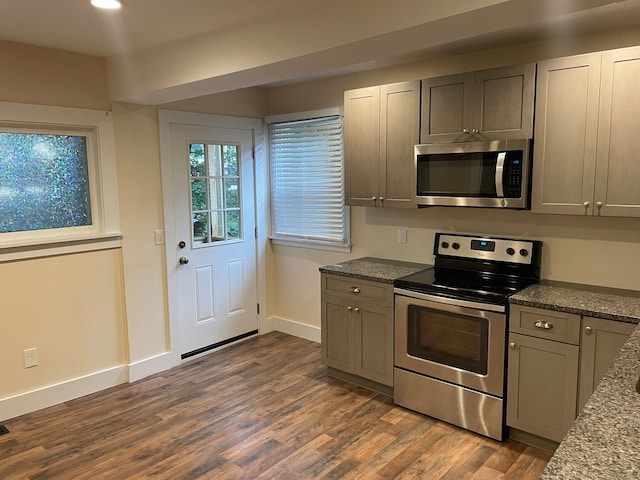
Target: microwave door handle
500,174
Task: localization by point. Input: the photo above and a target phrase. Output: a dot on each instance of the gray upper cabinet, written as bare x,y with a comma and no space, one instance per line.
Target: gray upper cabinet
566,134
486,105
586,146
381,127
617,191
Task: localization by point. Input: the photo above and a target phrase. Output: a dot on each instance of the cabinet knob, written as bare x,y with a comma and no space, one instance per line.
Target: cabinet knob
588,330
374,198
599,204
543,325
354,289
356,309
465,131
474,131
513,346
381,199
586,204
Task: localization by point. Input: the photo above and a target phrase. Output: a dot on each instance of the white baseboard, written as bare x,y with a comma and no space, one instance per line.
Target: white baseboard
40,398
156,364
48,396
296,329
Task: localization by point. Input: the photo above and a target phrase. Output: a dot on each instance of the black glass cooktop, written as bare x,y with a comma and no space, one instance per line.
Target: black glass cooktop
468,285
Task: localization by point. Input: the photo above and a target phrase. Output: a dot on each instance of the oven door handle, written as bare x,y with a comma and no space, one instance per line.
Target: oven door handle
451,301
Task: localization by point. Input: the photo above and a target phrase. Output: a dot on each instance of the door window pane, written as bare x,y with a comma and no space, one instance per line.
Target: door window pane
215,193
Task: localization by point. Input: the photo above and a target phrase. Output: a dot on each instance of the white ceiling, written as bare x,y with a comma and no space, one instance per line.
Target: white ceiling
334,36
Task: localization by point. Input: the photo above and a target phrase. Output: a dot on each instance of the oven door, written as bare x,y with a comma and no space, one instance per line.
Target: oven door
463,345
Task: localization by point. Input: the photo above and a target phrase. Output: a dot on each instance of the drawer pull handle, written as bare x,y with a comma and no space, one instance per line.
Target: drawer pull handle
354,289
543,325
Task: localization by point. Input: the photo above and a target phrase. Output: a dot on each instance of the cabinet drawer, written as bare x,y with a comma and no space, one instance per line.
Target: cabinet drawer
542,323
380,293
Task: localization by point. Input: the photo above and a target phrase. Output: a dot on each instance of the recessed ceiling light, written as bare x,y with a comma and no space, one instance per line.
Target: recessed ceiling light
108,4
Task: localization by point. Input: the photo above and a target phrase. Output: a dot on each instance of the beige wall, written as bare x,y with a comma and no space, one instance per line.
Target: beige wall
598,251
44,76
91,311
70,307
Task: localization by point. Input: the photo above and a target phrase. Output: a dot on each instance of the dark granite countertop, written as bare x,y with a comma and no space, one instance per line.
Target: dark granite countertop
603,442
599,302
374,269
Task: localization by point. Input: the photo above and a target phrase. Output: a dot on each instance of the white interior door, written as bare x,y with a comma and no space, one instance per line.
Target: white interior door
215,251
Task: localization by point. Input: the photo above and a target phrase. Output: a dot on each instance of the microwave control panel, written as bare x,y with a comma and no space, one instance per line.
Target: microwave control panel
512,174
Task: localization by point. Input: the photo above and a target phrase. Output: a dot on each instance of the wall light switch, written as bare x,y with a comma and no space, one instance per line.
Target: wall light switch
159,237
402,235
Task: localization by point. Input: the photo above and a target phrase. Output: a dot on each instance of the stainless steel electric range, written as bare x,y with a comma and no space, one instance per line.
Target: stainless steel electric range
451,329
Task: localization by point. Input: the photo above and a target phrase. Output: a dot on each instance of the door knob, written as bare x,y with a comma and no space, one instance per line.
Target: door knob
183,260
182,244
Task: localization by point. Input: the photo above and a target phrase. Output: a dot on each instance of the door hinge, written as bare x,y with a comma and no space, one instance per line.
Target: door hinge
258,309
253,152
255,232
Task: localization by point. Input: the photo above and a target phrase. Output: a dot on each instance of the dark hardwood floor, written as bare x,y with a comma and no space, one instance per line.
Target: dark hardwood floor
262,409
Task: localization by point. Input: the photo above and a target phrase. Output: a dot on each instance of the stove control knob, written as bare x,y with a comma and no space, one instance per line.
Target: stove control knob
510,251
456,245
524,252
444,244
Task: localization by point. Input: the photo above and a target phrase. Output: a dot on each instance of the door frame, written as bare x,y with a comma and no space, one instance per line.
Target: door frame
167,118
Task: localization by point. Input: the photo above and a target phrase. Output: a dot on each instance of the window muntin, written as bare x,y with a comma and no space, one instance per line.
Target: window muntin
307,181
215,193
44,181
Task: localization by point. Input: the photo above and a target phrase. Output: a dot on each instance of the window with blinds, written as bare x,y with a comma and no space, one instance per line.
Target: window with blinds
307,181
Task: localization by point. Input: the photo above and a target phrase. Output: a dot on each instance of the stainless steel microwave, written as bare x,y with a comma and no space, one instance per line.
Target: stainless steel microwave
473,174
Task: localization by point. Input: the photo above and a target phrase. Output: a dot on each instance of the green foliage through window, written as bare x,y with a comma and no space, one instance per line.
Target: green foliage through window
215,192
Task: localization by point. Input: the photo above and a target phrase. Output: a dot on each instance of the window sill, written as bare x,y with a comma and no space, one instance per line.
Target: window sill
46,247
312,245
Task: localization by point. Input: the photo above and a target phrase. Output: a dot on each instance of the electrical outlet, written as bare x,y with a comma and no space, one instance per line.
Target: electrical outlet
402,235
30,357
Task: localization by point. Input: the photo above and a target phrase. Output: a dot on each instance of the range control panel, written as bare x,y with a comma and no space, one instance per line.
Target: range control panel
486,248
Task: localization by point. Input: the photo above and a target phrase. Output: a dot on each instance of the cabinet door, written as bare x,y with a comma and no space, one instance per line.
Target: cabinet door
447,104
374,343
541,386
566,135
338,347
362,146
601,343
618,169
399,132
503,103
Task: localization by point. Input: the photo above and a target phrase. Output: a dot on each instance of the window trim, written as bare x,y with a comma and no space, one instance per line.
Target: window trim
105,229
302,243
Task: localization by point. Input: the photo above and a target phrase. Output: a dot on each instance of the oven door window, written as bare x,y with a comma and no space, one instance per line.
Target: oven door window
449,339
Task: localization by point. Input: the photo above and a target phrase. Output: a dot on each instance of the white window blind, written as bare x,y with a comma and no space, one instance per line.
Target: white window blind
307,181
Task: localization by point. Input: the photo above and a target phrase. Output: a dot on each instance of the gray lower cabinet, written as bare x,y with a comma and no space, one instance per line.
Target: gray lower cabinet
555,361
599,346
542,374
486,105
381,127
357,327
